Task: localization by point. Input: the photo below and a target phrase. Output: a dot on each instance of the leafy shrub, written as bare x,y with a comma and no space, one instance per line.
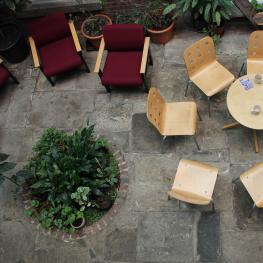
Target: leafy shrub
133,16
71,175
213,12
159,15
93,25
256,5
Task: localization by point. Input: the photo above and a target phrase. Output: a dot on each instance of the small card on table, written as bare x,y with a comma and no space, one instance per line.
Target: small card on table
246,83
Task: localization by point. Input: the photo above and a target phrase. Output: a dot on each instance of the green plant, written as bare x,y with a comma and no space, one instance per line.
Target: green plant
159,15
133,16
213,12
81,197
71,174
93,25
256,5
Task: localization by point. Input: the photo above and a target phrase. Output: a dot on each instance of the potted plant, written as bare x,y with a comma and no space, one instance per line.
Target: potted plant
91,28
133,16
159,21
69,174
13,45
208,15
258,5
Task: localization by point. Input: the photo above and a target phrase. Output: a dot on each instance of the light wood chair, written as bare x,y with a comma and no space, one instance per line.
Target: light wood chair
194,183
204,70
252,180
172,119
254,54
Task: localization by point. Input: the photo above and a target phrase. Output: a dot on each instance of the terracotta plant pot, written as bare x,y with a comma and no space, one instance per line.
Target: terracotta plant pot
161,36
94,40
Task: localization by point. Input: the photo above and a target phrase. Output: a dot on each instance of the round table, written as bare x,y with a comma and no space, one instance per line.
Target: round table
240,102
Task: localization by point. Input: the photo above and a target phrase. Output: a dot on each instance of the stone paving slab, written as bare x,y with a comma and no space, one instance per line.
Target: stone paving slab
166,237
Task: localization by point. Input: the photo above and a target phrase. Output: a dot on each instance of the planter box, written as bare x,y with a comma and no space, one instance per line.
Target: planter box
44,7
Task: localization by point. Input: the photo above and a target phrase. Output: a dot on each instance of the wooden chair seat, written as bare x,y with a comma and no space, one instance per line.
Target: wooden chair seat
194,182
212,79
180,118
252,179
171,119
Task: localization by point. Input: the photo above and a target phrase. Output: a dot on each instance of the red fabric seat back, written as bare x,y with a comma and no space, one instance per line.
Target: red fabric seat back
123,37
49,28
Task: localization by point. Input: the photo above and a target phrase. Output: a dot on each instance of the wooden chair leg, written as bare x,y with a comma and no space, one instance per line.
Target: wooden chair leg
150,58
231,125
108,88
196,143
251,211
235,180
213,206
50,81
199,115
145,86
256,141
241,70
14,78
187,87
11,75
209,106
84,62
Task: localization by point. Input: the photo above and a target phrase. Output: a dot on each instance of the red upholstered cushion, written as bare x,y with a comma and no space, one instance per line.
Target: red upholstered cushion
122,69
59,56
4,75
49,28
123,37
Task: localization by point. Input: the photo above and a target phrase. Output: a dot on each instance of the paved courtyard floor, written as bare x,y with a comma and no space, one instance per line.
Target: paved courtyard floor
148,228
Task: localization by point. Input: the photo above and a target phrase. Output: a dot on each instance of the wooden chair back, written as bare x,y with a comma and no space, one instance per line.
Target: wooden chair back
199,55
253,180
155,108
255,45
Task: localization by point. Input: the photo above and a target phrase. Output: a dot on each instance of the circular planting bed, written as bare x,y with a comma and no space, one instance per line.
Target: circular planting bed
74,184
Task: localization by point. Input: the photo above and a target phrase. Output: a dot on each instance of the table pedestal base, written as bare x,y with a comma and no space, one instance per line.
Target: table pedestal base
255,137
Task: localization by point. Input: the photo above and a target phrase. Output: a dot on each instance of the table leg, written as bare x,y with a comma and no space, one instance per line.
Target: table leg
231,125
256,141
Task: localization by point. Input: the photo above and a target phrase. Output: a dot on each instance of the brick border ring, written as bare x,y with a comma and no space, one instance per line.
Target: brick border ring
104,221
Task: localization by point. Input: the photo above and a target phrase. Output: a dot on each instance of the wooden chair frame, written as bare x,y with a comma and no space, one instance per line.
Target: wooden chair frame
244,176
11,75
35,55
184,188
201,57
158,114
146,57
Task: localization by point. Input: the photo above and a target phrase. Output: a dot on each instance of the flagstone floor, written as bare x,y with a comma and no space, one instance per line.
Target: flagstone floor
148,228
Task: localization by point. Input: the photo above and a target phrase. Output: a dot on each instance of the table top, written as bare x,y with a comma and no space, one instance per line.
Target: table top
240,102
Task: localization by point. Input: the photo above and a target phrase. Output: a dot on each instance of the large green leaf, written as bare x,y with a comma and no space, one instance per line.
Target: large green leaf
169,9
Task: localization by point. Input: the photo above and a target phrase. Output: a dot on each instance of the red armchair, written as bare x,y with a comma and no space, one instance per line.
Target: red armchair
5,74
54,45
126,61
